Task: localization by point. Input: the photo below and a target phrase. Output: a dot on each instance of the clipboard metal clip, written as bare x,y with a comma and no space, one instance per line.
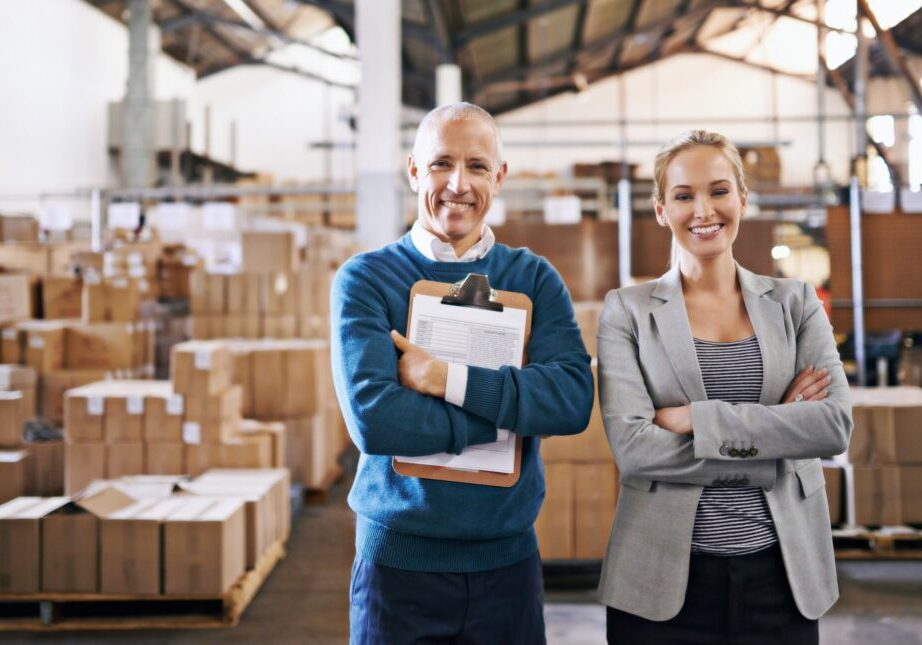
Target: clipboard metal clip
473,291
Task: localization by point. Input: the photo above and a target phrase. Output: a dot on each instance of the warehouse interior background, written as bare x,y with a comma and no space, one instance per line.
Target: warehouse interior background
180,179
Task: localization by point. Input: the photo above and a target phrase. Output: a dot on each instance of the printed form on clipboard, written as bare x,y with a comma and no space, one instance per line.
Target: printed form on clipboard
475,337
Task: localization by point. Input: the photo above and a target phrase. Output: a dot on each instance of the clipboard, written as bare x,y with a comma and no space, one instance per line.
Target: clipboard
473,291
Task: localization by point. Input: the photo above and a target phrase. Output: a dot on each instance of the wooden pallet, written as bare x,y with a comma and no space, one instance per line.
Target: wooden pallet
885,543
79,611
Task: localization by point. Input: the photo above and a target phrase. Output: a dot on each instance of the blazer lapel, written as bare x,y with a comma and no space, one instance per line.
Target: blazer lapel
675,334
767,317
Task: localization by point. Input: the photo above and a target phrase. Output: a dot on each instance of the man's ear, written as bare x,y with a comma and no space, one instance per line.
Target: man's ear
501,176
412,173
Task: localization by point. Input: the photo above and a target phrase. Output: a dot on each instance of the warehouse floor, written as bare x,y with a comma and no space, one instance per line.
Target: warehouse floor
305,599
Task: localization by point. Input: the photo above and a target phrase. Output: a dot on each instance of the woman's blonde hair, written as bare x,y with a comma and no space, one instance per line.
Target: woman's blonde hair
690,139
684,141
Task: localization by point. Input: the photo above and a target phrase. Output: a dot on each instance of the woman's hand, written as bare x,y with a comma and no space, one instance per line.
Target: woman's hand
418,370
677,420
809,385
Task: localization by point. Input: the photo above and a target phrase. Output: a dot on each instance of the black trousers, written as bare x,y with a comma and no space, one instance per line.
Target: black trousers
496,607
743,600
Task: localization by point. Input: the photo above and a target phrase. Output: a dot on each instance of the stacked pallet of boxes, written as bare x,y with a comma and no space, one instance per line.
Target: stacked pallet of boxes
17,386
581,478
289,381
885,453
115,538
276,295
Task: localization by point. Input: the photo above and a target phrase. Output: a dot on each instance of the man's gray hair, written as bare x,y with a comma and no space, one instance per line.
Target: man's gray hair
458,112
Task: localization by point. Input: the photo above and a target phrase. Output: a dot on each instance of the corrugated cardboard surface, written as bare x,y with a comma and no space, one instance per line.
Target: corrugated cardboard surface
15,297
20,543
13,474
886,435
555,522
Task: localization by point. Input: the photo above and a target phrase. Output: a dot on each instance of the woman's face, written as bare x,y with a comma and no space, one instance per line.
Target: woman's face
702,204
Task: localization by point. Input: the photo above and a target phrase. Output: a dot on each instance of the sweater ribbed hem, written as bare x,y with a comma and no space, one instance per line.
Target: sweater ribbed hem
484,394
380,545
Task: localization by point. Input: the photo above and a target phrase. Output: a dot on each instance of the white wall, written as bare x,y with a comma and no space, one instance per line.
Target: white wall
61,62
693,90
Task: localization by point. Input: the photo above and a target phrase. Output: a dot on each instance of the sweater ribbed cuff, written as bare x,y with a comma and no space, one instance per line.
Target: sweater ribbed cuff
484,393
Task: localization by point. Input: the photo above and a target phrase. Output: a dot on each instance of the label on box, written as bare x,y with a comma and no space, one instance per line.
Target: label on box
9,333
91,278
129,328
135,404
174,405
119,283
95,405
203,360
36,342
191,432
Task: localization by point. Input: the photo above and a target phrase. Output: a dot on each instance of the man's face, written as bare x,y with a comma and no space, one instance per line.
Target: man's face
456,173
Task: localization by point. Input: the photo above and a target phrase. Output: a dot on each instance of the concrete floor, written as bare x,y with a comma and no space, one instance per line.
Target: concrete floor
305,599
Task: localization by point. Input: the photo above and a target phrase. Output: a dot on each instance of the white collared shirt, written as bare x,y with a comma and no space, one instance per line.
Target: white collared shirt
438,251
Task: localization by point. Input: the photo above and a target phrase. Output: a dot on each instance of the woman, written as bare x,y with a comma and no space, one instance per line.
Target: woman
722,530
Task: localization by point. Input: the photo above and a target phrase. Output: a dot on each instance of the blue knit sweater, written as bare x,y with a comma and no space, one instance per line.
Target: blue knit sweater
429,525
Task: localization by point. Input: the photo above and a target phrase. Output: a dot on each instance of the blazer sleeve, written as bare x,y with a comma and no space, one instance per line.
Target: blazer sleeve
786,431
643,450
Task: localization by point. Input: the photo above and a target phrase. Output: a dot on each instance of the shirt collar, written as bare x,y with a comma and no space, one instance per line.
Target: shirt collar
438,251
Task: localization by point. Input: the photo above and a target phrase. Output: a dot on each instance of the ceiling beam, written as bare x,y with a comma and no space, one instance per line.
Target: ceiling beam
511,19
439,22
579,31
698,49
786,13
897,61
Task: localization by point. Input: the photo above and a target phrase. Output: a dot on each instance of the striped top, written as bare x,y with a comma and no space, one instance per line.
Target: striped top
732,521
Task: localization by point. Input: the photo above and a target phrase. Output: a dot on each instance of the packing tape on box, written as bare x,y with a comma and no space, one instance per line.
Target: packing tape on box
95,406
174,405
203,360
191,432
135,404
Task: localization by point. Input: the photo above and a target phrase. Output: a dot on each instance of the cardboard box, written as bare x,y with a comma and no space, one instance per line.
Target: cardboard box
281,291
555,522
70,540
124,459
888,495
12,418
84,413
103,346
18,228
590,446
54,385
13,474
20,542
227,406
115,299
209,432
28,257
268,251
44,468
279,326
247,451
276,432
84,463
130,547
202,457
12,343
274,483
44,346
163,414
62,297
314,446
201,368
243,294
204,546
595,497
835,485
124,418
164,459
886,435
587,317
242,325
215,293
270,387
15,297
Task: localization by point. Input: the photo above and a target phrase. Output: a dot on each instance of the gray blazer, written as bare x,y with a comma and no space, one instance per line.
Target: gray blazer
647,361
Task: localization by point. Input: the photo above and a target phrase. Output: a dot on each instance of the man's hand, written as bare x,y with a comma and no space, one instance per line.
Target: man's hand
677,420
417,370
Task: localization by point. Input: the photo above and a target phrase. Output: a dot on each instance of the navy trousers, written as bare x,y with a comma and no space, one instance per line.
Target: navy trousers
736,600
394,606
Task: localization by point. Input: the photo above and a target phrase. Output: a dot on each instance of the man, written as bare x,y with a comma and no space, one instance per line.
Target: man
444,561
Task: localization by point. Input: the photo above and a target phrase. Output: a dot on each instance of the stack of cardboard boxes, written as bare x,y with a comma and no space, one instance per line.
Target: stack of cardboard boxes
13,460
183,426
289,382
885,454
114,540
